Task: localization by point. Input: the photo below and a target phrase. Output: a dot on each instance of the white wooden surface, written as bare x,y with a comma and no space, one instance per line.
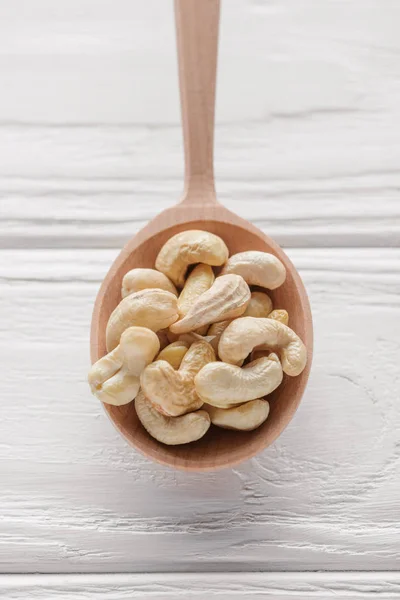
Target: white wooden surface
90,149
167,586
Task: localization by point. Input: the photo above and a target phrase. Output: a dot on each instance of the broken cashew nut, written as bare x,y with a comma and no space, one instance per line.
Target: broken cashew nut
257,268
227,298
173,392
246,333
260,305
145,279
114,378
171,430
188,248
244,417
224,385
155,309
174,353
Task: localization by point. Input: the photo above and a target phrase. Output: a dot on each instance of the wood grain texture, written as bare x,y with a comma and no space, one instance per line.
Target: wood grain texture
96,187
308,147
90,149
197,33
75,498
113,62
163,586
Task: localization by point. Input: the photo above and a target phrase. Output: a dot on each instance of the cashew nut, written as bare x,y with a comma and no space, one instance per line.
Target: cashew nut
279,315
145,279
246,333
244,417
227,298
260,305
224,385
171,430
188,248
120,387
199,281
172,392
154,309
138,347
257,268
114,378
174,353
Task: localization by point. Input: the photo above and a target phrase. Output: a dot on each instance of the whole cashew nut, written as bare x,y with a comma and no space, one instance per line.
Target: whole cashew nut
138,347
224,385
227,298
154,309
199,281
172,392
244,417
246,333
145,279
278,315
188,248
174,353
260,305
257,268
114,378
171,430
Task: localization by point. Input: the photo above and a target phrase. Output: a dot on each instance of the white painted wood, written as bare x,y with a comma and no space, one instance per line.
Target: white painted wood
95,187
75,498
308,147
90,149
115,61
163,586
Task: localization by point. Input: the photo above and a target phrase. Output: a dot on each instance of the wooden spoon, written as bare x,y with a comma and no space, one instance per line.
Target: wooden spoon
197,37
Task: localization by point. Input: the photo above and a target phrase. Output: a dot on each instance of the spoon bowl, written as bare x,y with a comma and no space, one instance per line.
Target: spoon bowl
197,29
219,448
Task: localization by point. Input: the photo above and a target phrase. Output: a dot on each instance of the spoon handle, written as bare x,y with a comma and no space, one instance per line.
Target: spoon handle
197,39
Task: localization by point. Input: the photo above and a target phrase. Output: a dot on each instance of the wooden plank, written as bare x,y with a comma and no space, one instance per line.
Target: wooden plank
75,498
115,62
84,187
90,142
163,586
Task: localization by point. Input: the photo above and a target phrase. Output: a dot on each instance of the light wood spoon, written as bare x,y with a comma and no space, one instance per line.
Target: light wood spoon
197,37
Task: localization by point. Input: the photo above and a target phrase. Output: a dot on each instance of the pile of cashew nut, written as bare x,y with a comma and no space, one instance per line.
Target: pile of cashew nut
208,353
